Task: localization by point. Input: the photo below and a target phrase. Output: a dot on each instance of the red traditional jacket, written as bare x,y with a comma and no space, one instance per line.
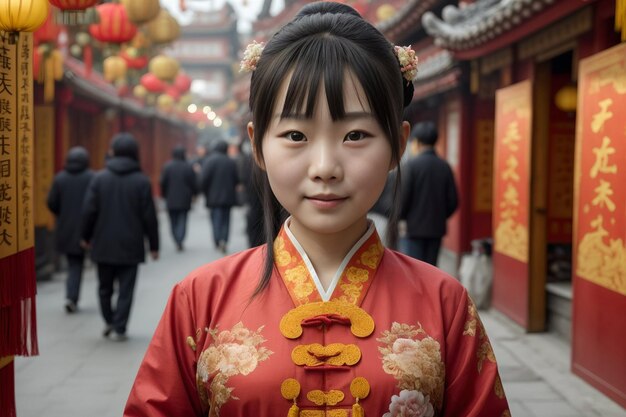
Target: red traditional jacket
391,336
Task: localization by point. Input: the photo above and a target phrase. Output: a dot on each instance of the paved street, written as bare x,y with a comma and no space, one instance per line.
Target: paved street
79,373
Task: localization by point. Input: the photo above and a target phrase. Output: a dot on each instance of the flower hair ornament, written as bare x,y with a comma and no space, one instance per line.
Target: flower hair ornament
408,61
251,56
408,66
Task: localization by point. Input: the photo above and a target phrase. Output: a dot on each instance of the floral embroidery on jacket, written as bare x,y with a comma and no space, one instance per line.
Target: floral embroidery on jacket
414,359
233,352
410,404
298,278
352,289
281,254
474,327
371,257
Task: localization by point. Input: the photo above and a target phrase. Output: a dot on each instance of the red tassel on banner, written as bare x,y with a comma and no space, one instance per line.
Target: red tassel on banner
88,59
18,318
7,390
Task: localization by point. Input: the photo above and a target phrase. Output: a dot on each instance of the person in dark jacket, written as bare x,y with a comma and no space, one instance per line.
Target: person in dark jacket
429,196
118,213
219,184
178,187
65,200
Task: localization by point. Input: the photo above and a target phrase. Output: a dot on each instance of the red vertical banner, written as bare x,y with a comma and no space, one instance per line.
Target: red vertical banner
511,200
599,259
18,330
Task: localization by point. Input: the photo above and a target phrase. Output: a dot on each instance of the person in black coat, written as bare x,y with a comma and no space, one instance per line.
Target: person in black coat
178,187
429,196
219,184
65,201
118,213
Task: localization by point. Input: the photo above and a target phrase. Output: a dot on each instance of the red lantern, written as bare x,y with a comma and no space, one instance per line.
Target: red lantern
137,62
152,83
114,26
182,82
74,11
173,92
48,32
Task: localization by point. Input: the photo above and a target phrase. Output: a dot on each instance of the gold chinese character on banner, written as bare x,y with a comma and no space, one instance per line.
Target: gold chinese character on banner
512,137
603,192
510,173
511,236
602,159
602,116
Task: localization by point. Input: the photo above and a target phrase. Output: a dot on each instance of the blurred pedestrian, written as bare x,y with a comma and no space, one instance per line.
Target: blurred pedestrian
254,207
202,153
178,187
429,196
219,185
118,214
65,200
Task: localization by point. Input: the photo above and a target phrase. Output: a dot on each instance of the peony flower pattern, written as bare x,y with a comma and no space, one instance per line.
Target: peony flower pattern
410,404
233,352
414,359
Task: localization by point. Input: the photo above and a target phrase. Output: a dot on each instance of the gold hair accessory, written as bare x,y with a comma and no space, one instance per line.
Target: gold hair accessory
251,56
408,61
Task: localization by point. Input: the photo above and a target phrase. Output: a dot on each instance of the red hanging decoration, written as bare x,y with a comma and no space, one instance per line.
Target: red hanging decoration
152,83
182,82
134,62
88,59
74,12
114,26
48,32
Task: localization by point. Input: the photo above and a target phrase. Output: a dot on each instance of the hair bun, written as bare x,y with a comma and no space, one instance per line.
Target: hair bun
326,7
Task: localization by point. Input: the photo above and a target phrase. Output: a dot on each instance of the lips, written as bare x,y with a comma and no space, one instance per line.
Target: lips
326,197
326,201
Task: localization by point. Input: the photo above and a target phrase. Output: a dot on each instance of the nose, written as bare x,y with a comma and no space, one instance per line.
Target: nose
325,162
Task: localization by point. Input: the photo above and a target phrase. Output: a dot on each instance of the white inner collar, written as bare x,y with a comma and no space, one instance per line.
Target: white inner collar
326,294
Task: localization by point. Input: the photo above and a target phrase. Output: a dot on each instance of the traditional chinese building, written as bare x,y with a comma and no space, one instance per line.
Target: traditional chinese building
546,83
207,50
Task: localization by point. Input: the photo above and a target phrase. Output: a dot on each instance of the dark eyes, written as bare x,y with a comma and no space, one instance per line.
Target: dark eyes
295,136
353,136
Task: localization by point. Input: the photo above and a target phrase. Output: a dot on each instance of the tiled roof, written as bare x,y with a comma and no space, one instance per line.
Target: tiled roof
477,23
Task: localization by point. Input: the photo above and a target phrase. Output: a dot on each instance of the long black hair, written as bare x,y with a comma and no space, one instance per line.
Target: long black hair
316,48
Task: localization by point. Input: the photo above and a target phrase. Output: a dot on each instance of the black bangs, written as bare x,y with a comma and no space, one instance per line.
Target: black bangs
319,61
328,60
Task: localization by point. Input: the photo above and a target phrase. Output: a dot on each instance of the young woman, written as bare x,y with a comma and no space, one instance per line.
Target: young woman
323,320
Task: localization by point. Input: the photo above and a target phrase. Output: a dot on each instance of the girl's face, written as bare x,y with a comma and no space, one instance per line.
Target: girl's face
327,174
